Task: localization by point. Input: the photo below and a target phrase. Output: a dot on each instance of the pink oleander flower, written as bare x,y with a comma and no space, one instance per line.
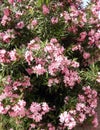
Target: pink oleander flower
29,70
4,20
18,14
26,81
86,55
34,22
91,32
66,16
51,127
67,120
20,25
80,107
38,110
82,36
54,20
81,117
45,107
53,81
6,12
22,103
45,10
35,107
29,56
53,40
70,78
6,37
81,98
18,109
16,84
32,126
13,55
95,121
74,64
33,46
38,69
11,1
1,108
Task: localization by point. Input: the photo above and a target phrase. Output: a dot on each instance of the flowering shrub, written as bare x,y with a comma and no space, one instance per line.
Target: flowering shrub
49,64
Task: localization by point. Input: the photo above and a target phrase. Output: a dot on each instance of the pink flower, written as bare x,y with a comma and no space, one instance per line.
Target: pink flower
53,81
18,109
92,32
6,38
12,55
67,120
74,64
1,109
28,56
22,103
20,25
34,22
6,12
81,98
51,127
3,56
35,107
86,55
54,20
18,14
95,121
26,82
81,117
70,78
66,16
45,107
45,10
11,1
53,40
33,45
80,107
5,19
29,70
16,84
32,126
82,36
38,69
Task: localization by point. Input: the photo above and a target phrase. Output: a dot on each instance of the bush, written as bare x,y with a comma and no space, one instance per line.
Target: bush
49,64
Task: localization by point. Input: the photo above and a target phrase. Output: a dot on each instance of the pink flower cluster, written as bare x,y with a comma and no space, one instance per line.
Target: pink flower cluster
87,102
7,36
17,106
18,109
8,56
10,94
45,10
37,110
67,120
54,63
